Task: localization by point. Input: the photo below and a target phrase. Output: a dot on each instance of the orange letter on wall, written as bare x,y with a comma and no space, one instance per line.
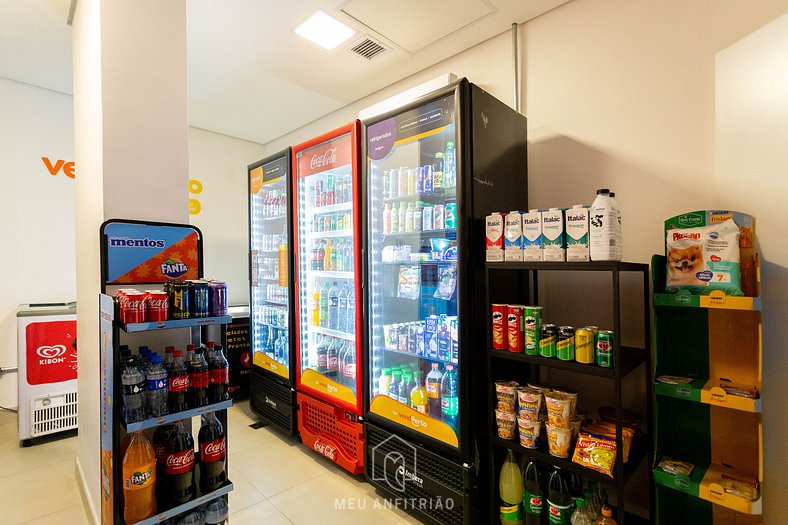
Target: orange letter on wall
68,169
52,169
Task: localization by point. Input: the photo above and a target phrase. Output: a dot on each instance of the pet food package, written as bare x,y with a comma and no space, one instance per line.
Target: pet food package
705,250
553,247
532,236
513,237
577,234
494,230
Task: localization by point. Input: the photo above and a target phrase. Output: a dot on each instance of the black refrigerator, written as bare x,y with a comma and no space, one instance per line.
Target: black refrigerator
433,171
272,388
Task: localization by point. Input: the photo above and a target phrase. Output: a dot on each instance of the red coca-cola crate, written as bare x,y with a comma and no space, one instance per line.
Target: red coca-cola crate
331,431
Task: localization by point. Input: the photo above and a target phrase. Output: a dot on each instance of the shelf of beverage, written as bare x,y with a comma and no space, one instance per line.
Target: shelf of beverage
193,504
342,206
632,358
422,263
424,357
275,326
446,233
331,234
333,333
431,197
326,274
590,266
277,218
273,302
174,323
638,451
269,278
178,416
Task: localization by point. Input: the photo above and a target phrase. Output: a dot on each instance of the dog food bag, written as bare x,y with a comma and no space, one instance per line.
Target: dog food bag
704,259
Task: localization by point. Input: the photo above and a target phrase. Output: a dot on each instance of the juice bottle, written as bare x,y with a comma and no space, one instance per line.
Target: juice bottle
139,479
510,487
418,395
401,219
405,388
384,382
327,256
316,305
396,379
434,390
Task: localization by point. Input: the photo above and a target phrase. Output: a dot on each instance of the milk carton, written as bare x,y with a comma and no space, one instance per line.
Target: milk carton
553,248
577,233
494,229
532,235
513,237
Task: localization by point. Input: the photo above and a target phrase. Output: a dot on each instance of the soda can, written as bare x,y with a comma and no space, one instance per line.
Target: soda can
427,183
532,329
585,345
157,305
135,307
566,343
498,326
217,294
451,215
420,179
515,341
604,348
426,221
420,338
438,217
200,303
431,336
179,300
549,341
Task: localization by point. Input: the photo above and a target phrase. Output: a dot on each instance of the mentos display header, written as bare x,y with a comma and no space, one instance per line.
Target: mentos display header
149,252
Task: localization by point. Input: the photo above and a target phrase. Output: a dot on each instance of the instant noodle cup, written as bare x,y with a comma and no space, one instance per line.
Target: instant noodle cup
506,422
560,408
530,402
540,387
559,440
506,391
575,424
572,395
530,431
505,406
506,433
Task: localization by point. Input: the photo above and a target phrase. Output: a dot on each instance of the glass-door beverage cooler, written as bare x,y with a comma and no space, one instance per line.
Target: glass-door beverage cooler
272,389
434,169
328,286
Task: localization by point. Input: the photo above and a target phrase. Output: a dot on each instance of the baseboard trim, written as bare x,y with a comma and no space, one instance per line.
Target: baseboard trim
90,509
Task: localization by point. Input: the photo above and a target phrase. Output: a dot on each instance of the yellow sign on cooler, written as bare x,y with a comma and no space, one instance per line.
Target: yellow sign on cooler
263,361
395,411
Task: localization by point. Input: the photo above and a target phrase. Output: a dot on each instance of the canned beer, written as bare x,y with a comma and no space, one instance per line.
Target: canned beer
200,303
515,341
533,329
585,345
549,341
498,326
158,305
566,343
604,348
179,300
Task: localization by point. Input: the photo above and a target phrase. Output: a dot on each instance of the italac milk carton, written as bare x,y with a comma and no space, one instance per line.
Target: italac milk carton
494,229
553,248
532,235
577,233
513,236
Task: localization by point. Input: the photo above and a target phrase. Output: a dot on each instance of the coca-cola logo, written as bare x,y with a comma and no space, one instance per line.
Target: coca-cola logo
327,450
322,159
180,463
178,384
158,304
214,450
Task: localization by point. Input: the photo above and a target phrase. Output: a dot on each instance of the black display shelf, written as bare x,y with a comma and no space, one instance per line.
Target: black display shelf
636,454
590,266
189,505
178,416
632,358
152,326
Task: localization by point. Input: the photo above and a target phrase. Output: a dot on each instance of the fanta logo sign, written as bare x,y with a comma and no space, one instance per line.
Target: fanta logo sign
173,268
60,164
51,355
139,478
323,159
126,242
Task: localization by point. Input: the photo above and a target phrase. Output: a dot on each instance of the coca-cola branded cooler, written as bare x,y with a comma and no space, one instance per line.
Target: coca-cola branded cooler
47,380
327,240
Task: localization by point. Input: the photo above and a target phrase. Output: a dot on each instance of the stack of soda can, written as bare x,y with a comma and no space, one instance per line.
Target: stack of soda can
178,300
519,328
142,306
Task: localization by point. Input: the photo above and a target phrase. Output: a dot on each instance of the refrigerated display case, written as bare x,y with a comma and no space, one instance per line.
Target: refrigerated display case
327,239
434,170
272,390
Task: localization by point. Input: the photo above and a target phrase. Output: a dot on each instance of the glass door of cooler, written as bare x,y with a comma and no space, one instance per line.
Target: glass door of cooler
413,271
325,186
269,309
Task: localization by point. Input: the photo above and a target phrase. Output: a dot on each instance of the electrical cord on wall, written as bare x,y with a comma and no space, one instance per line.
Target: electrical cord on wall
3,370
8,409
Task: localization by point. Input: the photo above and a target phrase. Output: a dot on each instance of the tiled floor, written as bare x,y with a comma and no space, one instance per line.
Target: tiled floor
277,481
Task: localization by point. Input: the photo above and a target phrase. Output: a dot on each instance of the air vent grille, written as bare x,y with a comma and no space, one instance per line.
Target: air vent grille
368,48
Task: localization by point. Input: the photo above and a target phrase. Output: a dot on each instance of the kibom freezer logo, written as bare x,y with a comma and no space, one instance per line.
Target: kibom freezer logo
173,268
399,463
51,355
128,242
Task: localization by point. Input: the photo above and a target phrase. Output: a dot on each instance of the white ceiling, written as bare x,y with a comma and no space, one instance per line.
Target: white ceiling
250,76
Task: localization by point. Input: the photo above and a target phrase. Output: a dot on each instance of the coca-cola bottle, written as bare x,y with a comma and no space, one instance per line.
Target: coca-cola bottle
199,380
177,384
179,465
219,389
349,369
160,438
212,453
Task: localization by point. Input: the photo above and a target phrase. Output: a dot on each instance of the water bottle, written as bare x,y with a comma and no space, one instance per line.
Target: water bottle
342,307
350,325
333,307
133,381
216,512
156,386
449,166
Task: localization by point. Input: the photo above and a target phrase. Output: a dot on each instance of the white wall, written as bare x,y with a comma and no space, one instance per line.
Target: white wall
36,210
219,163
752,125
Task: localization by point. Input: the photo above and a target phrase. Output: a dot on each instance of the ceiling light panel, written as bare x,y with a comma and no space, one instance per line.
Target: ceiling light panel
324,30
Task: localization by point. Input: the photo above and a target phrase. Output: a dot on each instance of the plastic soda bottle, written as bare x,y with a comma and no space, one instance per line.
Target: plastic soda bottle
533,499
396,379
139,479
510,488
316,305
582,516
384,381
156,387
559,498
450,403
449,166
418,395
133,380
607,517
433,388
216,512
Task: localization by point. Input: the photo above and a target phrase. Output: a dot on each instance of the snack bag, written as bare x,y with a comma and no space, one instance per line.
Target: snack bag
409,282
595,452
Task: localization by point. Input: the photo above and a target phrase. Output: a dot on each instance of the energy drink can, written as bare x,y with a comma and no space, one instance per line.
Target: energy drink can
549,342
498,326
604,348
533,329
200,300
585,345
515,341
451,216
566,343
179,300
